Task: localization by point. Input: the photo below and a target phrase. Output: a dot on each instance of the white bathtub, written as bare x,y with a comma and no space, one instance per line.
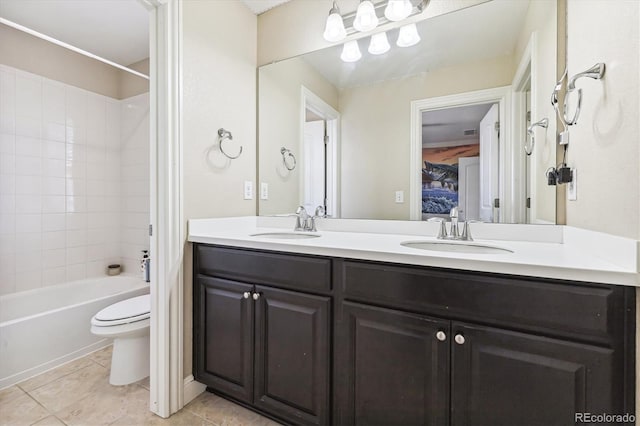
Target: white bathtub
44,328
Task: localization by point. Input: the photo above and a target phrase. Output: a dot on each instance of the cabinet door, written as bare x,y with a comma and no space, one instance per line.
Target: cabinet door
292,355
224,333
392,368
508,378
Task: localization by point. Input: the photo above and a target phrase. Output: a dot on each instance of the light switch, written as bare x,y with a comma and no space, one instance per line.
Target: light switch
248,190
264,191
399,197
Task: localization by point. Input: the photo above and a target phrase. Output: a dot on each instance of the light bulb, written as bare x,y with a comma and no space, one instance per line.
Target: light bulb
379,44
334,29
397,10
366,18
351,51
408,36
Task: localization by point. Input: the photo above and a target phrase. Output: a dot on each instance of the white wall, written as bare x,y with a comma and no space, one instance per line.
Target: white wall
219,90
60,181
376,133
279,125
605,144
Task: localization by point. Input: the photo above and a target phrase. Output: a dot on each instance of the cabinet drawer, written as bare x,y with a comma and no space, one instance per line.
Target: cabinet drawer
583,311
281,270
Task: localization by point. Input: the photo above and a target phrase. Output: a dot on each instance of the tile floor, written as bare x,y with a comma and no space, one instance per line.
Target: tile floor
78,393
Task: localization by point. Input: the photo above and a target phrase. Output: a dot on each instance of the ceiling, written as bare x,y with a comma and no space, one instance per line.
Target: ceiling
448,125
261,6
117,30
484,31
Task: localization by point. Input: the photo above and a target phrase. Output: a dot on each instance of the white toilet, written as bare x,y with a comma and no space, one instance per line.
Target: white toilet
127,323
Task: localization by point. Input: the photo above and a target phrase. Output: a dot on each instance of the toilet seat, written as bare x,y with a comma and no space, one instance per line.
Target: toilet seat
125,312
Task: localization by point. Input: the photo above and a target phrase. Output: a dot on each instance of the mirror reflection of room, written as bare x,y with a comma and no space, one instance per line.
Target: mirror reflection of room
374,164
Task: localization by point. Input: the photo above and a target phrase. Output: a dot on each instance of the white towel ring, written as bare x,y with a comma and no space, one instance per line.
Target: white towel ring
286,153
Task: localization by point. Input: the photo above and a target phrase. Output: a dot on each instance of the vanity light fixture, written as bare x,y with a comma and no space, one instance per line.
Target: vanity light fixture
379,44
397,10
351,51
334,30
408,36
366,19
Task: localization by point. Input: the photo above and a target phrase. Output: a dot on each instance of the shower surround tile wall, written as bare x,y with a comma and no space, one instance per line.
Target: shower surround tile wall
64,165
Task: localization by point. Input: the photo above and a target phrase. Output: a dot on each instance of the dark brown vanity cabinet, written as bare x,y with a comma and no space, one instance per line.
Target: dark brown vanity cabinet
420,346
264,346
313,340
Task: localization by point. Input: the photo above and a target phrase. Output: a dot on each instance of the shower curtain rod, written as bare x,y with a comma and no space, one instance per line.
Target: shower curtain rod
70,47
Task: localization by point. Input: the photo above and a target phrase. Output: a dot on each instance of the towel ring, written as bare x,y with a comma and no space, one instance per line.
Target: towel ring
286,153
596,72
222,136
544,123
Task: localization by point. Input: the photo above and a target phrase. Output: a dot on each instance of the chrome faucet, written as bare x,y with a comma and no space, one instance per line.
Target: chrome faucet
454,233
301,219
304,222
319,214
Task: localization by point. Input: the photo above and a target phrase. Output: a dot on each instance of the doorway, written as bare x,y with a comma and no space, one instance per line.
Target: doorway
460,161
319,174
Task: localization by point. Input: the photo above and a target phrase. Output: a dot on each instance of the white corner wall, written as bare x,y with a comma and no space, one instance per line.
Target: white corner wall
219,90
605,144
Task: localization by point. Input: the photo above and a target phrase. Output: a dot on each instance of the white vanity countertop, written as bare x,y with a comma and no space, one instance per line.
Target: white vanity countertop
547,251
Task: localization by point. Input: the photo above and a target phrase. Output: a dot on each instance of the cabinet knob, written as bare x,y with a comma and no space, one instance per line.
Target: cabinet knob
440,335
459,339
256,296
246,294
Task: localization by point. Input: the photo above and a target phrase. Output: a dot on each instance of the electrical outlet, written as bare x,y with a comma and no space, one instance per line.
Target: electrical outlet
572,187
399,197
264,191
248,190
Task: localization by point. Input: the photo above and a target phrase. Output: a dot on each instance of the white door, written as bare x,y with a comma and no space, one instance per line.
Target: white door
469,188
313,179
489,164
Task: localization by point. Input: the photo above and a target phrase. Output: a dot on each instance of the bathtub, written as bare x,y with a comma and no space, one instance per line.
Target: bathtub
44,328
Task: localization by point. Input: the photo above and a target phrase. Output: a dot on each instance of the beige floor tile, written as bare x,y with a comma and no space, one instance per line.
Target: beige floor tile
49,421
221,412
147,418
21,410
71,388
51,375
10,393
103,356
144,383
106,404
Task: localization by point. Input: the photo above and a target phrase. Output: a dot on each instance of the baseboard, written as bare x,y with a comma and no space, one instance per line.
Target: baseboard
192,389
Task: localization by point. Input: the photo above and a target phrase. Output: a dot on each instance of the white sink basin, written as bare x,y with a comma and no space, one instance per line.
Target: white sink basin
286,235
455,247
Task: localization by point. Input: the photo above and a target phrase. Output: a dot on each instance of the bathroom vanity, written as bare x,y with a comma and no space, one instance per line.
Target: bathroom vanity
336,339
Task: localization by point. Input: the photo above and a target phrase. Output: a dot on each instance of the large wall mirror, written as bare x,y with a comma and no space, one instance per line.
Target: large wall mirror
457,119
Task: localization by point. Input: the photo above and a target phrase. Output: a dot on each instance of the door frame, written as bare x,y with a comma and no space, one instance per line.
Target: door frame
315,103
166,382
499,95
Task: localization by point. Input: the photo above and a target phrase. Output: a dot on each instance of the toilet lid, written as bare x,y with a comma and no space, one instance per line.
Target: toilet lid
136,308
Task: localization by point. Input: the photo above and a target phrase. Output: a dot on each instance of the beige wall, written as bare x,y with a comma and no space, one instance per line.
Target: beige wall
32,54
131,84
541,19
384,138
219,90
279,125
296,27
605,144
